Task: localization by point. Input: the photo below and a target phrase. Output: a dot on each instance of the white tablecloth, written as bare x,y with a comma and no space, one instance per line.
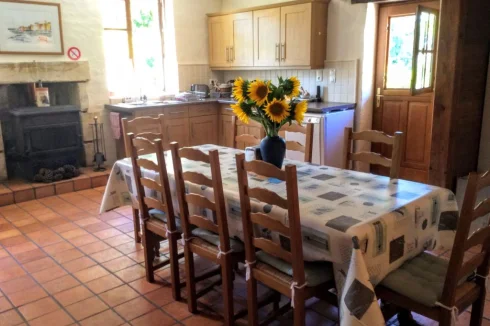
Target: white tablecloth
394,220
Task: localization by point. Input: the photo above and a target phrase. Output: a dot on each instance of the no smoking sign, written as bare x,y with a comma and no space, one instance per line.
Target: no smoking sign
74,53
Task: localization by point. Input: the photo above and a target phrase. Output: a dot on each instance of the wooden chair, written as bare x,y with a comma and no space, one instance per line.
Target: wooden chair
307,130
370,157
278,268
158,217
247,139
210,239
144,127
462,287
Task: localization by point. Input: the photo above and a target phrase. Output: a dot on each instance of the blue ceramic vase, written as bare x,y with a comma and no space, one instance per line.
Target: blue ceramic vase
273,150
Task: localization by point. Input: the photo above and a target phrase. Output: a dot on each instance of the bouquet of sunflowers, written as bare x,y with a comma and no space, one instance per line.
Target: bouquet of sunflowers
271,105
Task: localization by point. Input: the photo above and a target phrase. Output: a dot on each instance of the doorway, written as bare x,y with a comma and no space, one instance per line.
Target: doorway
404,82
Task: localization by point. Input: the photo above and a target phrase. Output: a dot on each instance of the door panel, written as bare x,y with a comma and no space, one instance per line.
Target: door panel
242,54
296,35
267,37
417,131
218,41
203,130
177,130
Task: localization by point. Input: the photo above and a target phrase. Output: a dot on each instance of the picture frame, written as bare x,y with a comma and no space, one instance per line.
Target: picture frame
29,27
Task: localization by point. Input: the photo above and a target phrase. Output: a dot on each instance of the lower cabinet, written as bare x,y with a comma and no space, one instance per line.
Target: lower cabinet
226,131
177,130
203,130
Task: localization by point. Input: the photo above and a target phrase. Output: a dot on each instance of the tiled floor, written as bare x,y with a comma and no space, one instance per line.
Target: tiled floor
61,263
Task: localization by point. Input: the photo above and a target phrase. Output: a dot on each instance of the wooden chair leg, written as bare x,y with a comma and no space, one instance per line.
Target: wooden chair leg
190,280
148,240
137,226
299,308
253,317
227,284
174,267
477,309
445,318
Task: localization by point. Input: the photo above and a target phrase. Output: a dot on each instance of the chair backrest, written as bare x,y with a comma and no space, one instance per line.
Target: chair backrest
143,127
247,139
460,267
220,226
291,145
158,187
290,204
374,136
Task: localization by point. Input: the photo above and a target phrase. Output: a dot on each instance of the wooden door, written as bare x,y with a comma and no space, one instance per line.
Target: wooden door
203,130
226,131
177,130
242,43
296,35
267,37
219,41
395,108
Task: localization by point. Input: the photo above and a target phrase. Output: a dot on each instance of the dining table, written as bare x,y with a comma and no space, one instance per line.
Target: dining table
391,220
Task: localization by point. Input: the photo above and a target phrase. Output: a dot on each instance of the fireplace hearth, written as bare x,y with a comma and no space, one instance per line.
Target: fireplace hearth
48,138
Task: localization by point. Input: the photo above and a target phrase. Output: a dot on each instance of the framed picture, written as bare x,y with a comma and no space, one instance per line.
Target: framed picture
28,27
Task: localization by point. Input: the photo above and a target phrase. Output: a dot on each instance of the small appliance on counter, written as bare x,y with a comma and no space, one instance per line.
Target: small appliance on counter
201,90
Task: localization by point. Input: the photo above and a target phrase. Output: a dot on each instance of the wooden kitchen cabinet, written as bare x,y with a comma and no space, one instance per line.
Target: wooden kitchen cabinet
177,130
203,130
219,41
226,131
226,128
296,30
267,37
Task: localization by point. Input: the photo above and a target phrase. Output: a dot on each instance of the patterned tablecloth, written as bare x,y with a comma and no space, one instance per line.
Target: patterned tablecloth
394,220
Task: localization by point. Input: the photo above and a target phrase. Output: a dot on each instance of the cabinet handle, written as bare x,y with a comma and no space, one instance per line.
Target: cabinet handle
227,54
233,52
277,52
283,51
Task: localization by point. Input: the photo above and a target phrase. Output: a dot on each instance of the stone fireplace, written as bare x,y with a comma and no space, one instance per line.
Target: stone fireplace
38,131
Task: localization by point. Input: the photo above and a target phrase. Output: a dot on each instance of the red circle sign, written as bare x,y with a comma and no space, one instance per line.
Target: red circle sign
74,53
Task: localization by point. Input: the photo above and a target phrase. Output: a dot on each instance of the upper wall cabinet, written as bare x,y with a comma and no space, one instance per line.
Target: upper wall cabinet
291,34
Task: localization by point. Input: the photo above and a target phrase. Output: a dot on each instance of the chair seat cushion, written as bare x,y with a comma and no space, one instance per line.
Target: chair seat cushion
162,216
316,273
213,239
420,279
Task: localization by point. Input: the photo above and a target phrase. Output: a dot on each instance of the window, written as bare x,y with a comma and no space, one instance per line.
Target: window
133,47
411,51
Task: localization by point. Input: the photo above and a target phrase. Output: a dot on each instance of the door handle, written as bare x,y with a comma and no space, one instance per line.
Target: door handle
283,51
378,100
277,52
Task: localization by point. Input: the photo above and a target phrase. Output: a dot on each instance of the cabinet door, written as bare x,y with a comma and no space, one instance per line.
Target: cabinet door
256,129
241,129
267,37
203,130
242,44
296,35
226,131
219,41
177,130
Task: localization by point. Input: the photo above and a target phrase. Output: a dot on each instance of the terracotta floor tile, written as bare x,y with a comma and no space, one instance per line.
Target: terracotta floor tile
39,265
118,295
90,273
94,247
27,246
73,295
60,284
55,318
73,233
178,310
109,215
22,297
10,318
14,241
30,256
129,247
45,237
161,297
154,318
106,318
7,262
11,273
128,227
79,264
138,256
119,263
104,283
68,255
105,234
201,321
10,233
134,308
18,284
38,308
131,273
143,287
4,304
65,227
97,227
56,222
87,221
58,247
118,221
49,274
83,240
118,240
86,308
106,255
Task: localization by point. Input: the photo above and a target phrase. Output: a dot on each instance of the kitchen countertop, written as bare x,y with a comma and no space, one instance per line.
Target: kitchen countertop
313,107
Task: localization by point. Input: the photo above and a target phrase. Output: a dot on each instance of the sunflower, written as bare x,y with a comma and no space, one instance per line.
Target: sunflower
299,112
296,84
258,91
277,110
239,91
240,113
